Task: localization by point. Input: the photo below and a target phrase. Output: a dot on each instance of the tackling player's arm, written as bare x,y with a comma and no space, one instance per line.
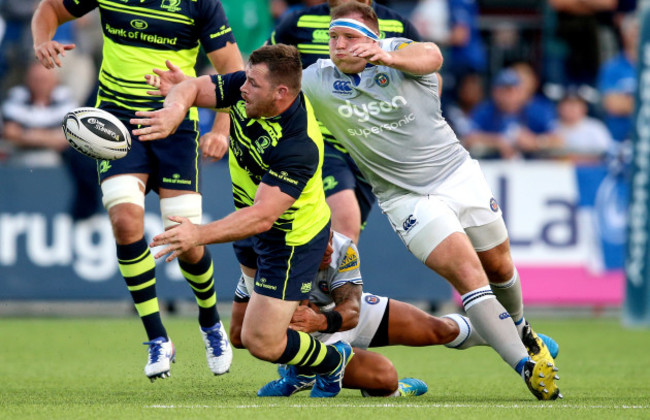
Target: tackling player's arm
48,16
347,299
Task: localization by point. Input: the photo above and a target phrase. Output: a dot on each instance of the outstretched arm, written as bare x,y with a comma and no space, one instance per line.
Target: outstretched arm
417,58
47,18
161,123
270,203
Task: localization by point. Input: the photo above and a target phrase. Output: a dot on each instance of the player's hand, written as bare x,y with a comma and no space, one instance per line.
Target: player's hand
373,53
177,240
214,145
305,319
47,53
164,80
158,124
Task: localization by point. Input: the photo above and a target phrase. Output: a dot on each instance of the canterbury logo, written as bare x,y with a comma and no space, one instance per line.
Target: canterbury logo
409,223
342,86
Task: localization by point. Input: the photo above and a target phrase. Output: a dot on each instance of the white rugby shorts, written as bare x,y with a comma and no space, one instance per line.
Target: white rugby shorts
370,315
464,200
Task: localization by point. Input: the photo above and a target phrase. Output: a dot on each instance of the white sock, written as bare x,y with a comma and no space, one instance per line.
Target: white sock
509,295
467,337
493,323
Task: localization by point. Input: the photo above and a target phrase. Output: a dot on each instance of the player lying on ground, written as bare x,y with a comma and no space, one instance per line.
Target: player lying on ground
338,310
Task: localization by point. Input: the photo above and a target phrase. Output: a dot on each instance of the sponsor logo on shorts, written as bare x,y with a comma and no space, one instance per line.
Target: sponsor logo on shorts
409,223
493,205
329,183
176,179
322,285
305,288
504,315
262,283
381,79
342,87
372,299
350,261
104,166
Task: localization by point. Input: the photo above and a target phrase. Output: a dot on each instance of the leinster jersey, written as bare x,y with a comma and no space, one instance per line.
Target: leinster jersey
141,34
284,151
389,121
344,268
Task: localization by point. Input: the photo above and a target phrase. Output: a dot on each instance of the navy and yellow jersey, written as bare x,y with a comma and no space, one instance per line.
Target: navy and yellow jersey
308,30
284,151
140,35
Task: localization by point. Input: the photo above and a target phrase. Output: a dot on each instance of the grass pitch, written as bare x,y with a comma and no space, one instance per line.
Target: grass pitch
93,368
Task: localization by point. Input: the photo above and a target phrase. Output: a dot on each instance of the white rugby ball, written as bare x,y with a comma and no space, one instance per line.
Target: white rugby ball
96,133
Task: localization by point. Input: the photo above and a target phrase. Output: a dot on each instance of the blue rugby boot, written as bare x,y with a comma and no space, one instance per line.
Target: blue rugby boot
290,383
329,385
411,387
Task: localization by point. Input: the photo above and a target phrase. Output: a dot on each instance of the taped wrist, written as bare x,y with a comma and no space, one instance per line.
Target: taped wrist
334,322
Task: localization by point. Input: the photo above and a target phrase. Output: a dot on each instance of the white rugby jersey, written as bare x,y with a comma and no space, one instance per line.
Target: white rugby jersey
344,268
389,121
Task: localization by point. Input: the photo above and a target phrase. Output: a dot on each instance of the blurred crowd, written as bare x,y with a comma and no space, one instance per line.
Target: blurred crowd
522,79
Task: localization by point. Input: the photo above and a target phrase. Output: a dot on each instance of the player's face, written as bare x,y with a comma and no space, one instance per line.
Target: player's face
258,92
341,40
327,257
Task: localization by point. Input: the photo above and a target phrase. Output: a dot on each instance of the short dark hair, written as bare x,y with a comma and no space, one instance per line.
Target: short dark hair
283,62
368,15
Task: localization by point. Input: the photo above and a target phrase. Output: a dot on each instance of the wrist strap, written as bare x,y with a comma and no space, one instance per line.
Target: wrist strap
334,321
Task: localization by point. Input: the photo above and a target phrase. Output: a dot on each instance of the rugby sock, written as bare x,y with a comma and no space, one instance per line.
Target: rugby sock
138,268
493,323
200,276
509,295
305,351
467,337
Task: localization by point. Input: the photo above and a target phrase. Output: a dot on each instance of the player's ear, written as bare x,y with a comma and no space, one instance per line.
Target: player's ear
281,92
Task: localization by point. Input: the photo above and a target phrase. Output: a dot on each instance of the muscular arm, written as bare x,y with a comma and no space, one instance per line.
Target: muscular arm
270,203
347,299
417,58
47,18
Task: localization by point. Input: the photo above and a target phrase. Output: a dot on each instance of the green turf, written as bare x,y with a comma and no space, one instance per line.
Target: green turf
93,368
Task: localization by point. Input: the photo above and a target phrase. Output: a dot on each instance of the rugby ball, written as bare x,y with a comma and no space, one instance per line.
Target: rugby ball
96,133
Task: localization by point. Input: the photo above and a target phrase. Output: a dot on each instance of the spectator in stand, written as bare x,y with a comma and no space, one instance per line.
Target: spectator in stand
459,112
507,127
617,82
578,29
32,117
461,37
585,139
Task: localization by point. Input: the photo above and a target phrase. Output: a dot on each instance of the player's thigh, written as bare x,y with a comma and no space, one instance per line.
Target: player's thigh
264,326
177,160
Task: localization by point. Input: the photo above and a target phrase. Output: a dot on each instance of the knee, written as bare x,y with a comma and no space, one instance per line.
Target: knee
261,348
235,337
384,381
128,222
